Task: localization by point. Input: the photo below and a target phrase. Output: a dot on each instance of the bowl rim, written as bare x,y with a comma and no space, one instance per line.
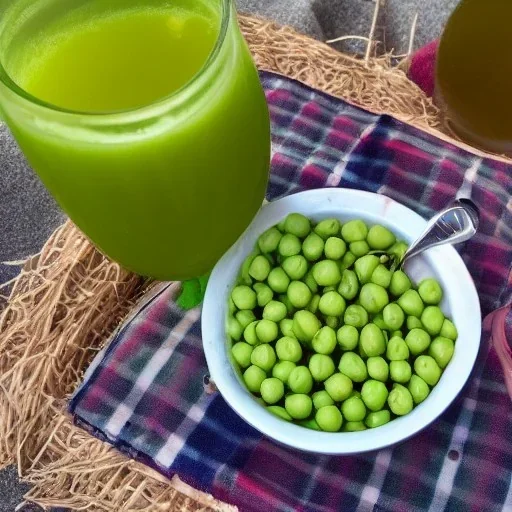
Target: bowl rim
364,204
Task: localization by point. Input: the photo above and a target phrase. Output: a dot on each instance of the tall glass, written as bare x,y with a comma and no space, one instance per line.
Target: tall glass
474,74
163,189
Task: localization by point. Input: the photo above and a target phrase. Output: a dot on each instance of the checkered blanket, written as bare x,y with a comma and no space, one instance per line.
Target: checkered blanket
146,393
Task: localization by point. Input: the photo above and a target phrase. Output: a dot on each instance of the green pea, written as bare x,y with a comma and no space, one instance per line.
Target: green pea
417,340
266,331
413,322
353,367
272,390
305,326
278,280
313,304
441,349
264,357
300,380
400,400
280,224
332,321
288,349
349,285
286,327
355,393
299,294
242,353
286,301
393,316
250,333
356,316
321,399
263,294
297,224
245,317
298,406
377,418
310,281
253,377
381,276
374,394
275,311
280,412
365,266
418,388
378,369
427,368
397,349
313,247
398,249
353,426
411,303
231,305
282,370
399,284
295,266
432,318
259,269
396,333
309,423
372,340
347,261
359,248
245,278
326,273
448,330
233,328
244,297
321,367
324,341
332,304
430,291
400,371
335,248
373,297
380,237
338,386
289,245
354,231
378,320
269,240
348,337
329,418
327,228
353,409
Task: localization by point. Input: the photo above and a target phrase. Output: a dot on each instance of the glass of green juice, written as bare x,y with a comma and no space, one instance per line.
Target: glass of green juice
145,119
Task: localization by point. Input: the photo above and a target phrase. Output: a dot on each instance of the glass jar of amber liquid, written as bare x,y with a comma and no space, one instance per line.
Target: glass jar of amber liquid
474,74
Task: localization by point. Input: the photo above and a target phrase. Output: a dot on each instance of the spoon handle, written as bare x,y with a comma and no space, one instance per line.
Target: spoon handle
456,224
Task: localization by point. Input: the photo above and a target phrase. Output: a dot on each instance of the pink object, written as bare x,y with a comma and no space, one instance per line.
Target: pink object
422,68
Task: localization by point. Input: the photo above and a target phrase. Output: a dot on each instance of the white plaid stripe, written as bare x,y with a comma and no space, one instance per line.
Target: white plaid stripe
124,411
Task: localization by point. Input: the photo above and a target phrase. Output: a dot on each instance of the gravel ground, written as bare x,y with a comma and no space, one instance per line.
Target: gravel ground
28,214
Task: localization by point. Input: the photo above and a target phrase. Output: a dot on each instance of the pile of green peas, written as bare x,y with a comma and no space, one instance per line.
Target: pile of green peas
325,335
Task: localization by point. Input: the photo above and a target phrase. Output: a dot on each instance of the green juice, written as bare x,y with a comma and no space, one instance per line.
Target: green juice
150,134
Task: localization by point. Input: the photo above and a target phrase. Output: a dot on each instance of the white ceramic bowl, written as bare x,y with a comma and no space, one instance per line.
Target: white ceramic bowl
460,303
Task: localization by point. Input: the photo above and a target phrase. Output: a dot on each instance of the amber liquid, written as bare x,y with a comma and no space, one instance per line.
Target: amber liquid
474,73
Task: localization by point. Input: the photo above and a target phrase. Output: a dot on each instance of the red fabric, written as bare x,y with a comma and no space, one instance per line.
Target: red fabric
422,68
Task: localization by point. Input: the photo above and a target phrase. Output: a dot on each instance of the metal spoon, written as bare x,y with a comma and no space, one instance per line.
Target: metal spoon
453,225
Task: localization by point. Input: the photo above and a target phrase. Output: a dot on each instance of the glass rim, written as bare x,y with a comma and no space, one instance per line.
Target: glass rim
8,82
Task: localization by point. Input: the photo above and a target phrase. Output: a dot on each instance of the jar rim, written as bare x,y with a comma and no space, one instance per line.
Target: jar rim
6,80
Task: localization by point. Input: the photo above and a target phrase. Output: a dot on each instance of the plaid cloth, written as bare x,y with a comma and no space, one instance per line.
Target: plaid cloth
145,392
